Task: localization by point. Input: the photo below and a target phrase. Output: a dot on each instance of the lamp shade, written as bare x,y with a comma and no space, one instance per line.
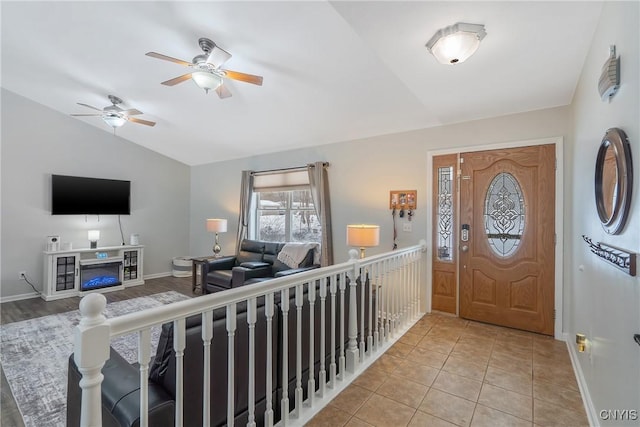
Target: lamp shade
114,120
456,43
205,80
363,235
93,235
217,225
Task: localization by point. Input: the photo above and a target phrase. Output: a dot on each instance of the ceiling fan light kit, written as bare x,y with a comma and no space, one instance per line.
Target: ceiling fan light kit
115,116
114,120
208,73
206,80
456,43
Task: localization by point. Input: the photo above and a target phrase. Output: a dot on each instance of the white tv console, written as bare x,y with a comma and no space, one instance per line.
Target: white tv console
63,270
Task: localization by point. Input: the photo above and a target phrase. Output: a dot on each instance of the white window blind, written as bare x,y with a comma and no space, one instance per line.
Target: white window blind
281,181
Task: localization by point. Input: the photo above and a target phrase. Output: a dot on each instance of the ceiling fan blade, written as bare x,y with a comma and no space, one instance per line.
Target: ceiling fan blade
132,112
248,78
142,122
218,56
96,115
223,92
168,58
89,106
177,80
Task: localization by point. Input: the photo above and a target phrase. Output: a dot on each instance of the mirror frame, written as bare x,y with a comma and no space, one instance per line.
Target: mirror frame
615,139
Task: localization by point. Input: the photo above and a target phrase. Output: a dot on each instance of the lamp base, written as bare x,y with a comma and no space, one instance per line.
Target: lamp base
216,248
94,245
362,254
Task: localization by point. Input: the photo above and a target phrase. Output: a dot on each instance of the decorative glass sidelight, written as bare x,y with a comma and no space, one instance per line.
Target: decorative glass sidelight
445,213
504,215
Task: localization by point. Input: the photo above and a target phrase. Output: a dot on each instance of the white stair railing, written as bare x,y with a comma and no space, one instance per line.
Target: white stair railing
388,286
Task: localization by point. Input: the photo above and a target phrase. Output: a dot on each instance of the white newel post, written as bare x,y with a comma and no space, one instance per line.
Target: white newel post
91,351
352,347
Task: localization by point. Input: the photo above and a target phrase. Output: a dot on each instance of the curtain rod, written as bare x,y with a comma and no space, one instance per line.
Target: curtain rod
293,169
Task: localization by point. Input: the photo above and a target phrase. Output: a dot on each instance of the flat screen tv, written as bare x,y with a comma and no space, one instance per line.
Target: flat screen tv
72,195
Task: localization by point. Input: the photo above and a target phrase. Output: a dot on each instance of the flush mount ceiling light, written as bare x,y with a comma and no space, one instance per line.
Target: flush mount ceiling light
206,80
456,43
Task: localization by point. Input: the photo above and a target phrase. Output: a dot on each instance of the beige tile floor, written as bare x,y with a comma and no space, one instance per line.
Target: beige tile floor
447,371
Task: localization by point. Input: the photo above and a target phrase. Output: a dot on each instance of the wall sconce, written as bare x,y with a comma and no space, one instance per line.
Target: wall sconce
581,341
93,236
364,236
217,226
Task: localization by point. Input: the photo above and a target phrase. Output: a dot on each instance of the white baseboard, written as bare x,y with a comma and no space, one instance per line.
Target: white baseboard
157,275
19,297
592,414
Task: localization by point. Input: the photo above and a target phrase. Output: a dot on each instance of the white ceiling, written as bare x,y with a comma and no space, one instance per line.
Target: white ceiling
333,71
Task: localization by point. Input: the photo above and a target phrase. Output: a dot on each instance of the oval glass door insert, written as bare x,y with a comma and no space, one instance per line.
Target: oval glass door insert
504,214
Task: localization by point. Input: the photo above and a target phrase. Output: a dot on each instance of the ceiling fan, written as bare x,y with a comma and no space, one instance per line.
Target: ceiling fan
207,73
115,116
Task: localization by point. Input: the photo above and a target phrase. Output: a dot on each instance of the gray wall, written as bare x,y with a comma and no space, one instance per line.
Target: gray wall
36,142
604,303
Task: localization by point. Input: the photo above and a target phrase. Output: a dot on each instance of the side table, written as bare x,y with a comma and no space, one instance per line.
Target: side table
197,269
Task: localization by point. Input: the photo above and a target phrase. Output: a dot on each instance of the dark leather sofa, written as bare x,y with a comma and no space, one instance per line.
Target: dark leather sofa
256,261
120,387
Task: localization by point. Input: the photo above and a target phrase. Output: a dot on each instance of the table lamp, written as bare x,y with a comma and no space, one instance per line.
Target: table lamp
216,225
363,236
93,236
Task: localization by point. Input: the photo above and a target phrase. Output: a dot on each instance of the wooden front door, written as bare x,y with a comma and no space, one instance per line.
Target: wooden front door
506,261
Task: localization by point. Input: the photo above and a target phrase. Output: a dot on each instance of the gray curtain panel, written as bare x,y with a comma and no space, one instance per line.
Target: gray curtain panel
246,191
319,183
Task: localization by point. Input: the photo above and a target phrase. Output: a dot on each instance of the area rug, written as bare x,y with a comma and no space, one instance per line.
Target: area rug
34,355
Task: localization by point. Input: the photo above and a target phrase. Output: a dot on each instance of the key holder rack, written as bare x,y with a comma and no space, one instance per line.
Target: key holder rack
403,200
619,258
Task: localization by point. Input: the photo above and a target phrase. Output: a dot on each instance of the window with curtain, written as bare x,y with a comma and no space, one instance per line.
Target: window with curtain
283,209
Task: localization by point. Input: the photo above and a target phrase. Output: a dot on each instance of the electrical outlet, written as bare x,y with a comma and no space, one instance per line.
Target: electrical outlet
406,227
22,275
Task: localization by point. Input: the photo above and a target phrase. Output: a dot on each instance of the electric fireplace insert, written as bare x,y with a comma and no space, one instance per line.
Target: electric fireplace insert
98,274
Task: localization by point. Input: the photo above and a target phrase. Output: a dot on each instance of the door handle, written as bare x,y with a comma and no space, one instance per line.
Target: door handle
464,248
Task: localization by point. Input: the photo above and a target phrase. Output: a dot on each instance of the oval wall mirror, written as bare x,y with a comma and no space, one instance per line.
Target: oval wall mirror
614,180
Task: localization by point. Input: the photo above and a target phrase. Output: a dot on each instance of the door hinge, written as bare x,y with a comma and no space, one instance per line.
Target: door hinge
554,314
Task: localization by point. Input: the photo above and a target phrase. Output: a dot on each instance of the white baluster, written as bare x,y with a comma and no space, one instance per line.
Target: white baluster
268,310
363,285
341,359
231,332
284,404
91,350
332,363
144,355
298,392
207,336
352,347
178,346
251,321
385,301
311,384
376,313
322,375
371,280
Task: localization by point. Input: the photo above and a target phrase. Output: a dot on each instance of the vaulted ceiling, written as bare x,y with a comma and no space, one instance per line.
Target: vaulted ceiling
333,71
